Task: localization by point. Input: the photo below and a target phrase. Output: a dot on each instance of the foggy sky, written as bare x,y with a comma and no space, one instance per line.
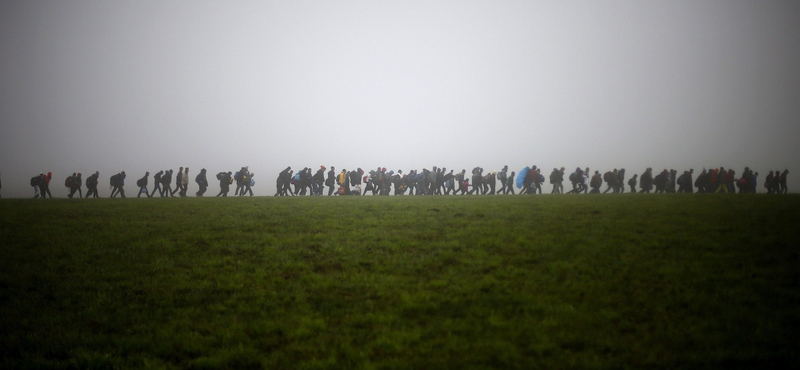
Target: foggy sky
151,85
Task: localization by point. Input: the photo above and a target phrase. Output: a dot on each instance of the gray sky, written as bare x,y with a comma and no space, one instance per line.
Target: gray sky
148,85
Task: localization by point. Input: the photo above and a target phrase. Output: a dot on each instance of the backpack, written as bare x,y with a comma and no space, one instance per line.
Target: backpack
340,178
607,176
573,177
34,180
140,183
68,181
113,180
219,176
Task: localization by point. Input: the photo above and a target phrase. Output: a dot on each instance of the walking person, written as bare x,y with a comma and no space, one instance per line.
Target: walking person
142,184
75,183
157,184
178,182
202,183
330,181
91,185
118,183
184,182
781,182
166,181
44,187
225,182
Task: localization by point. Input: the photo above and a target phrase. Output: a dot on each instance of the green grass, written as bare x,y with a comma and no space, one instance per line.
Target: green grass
607,281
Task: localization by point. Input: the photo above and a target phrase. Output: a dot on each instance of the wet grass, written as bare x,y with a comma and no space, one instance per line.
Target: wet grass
608,281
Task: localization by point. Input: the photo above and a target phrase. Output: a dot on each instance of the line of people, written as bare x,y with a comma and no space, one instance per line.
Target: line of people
162,184
438,181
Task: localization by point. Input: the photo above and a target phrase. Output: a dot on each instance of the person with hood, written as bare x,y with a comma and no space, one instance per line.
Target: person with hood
44,186
202,183
225,181
91,184
118,184
632,183
646,181
142,184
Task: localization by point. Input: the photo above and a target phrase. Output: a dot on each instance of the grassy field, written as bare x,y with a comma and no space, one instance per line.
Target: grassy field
607,281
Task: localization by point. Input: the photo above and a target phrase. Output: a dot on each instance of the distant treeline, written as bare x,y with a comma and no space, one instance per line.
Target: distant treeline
436,181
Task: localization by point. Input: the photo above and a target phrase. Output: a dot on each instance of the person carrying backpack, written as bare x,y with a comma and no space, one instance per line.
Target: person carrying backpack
74,184
91,184
225,181
118,183
142,184
202,182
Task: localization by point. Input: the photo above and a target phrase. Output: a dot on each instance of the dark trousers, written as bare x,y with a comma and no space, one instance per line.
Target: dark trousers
72,192
157,187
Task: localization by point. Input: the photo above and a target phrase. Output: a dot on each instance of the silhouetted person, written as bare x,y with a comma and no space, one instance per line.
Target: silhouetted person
75,183
157,183
700,182
782,182
283,183
611,181
166,180
142,184
91,185
225,182
632,183
44,187
685,182
576,178
621,181
722,180
184,182
318,180
178,180
202,183
596,183
118,185
646,181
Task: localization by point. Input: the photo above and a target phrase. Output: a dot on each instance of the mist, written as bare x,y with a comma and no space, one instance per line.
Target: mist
141,86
